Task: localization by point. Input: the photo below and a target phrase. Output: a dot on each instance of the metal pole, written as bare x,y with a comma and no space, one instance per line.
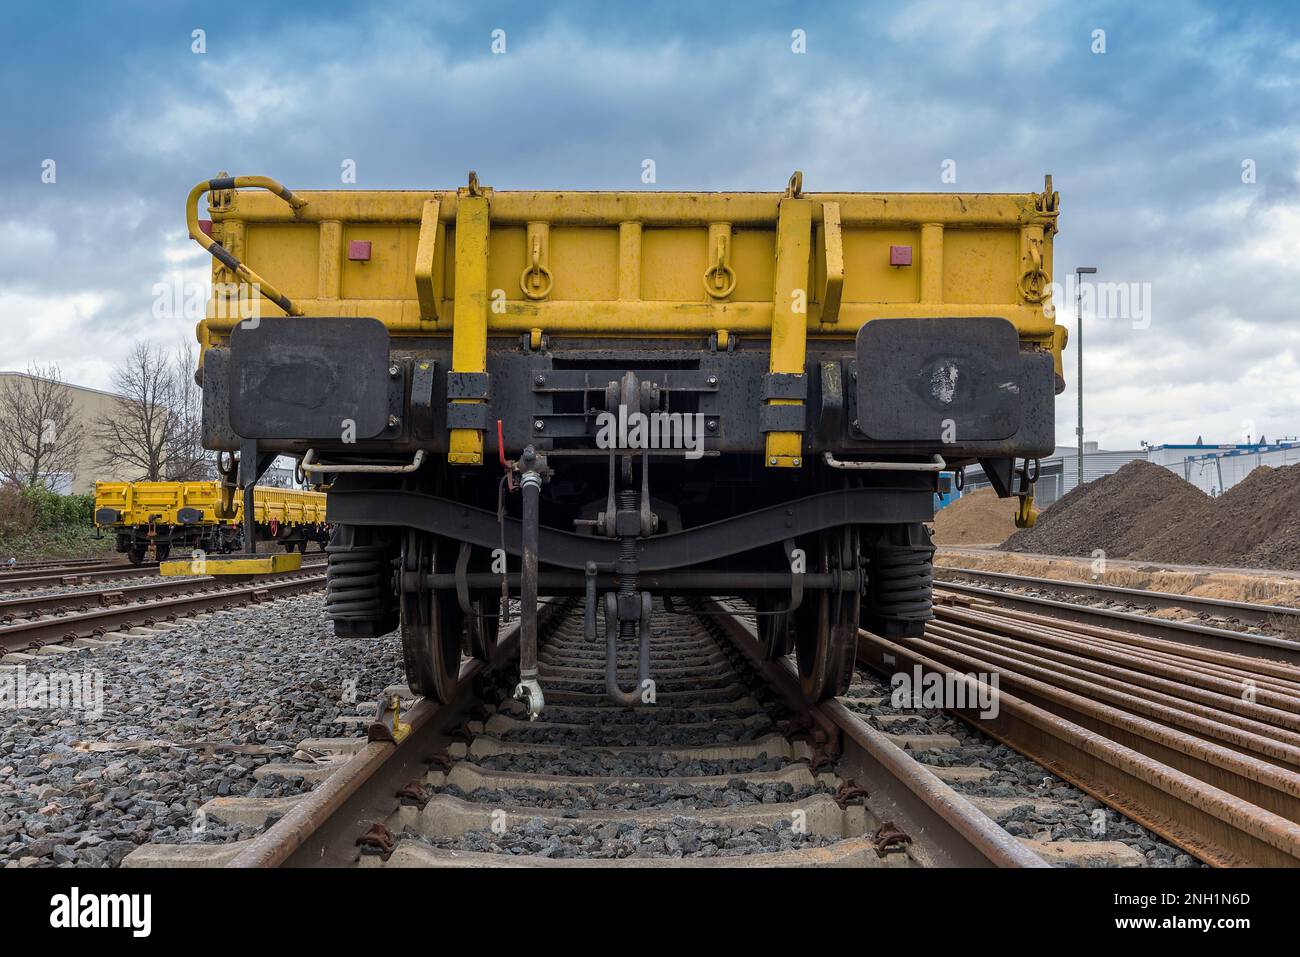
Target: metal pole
1078,303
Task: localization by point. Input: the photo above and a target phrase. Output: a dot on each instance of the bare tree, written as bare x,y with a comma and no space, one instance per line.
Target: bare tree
133,436
189,460
40,437
155,427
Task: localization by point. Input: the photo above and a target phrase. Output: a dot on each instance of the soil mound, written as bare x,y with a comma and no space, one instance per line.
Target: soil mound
1119,514
977,518
1256,523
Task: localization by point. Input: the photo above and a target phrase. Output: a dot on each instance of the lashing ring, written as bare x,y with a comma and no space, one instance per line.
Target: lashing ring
711,288
1033,285
535,269
541,292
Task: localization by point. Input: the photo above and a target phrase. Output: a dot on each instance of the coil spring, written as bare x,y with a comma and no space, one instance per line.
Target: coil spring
354,582
902,576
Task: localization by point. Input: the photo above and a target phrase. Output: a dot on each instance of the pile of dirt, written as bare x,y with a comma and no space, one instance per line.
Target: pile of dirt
1147,513
1118,514
977,518
1256,523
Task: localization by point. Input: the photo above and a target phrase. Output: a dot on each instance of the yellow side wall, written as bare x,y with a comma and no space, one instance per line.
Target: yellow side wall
634,264
158,502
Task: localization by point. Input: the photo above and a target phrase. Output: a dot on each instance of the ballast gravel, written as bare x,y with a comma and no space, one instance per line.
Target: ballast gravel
188,715
684,837
737,792
626,764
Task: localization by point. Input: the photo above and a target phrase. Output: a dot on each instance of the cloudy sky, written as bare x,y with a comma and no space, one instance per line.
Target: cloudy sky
1152,145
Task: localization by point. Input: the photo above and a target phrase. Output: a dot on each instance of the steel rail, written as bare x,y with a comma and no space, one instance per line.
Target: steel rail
1192,779
34,634
1187,632
48,563
364,788
946,828
54,579
1248,612
14,609
944,825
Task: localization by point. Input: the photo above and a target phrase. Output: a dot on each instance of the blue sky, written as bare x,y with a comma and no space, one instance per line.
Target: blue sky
1145,142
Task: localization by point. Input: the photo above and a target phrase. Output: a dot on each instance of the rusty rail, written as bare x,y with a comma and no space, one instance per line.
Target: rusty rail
1187,632
944,825
55,577
1151,728
88,624
364,789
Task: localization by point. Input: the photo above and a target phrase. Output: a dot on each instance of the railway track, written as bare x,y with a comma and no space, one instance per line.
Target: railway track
41,564
1004,589
1245,613
725,767
74,575
77,575
1201,746
30,624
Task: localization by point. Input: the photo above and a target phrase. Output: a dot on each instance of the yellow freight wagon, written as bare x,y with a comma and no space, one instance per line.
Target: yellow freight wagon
633,395
188,515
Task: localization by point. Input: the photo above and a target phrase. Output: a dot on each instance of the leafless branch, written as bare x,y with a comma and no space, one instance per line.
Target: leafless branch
40,436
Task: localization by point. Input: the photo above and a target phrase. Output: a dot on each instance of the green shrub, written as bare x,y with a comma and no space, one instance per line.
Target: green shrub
60,511
24,510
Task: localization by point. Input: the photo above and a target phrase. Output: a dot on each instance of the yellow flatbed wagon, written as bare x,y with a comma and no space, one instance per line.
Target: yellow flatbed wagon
628,396
163,516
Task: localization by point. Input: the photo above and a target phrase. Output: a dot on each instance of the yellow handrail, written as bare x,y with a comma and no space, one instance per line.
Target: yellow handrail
223,255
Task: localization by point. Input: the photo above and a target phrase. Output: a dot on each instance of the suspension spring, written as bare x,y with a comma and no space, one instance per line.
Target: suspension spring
902,577
354,586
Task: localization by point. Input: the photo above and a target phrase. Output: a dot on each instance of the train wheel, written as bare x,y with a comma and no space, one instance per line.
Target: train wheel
484,628
160,552
826,624
432,625
135,554
774,626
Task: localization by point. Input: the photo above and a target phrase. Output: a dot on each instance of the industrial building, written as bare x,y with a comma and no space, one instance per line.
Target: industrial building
88,405
1215,468
1211,468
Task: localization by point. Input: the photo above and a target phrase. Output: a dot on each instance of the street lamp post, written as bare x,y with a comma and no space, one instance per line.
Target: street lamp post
1079,273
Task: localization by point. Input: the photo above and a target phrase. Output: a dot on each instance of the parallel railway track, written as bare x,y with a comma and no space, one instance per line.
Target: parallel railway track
1201,746
1247,613
48,563
1275,647
28,624
75,575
